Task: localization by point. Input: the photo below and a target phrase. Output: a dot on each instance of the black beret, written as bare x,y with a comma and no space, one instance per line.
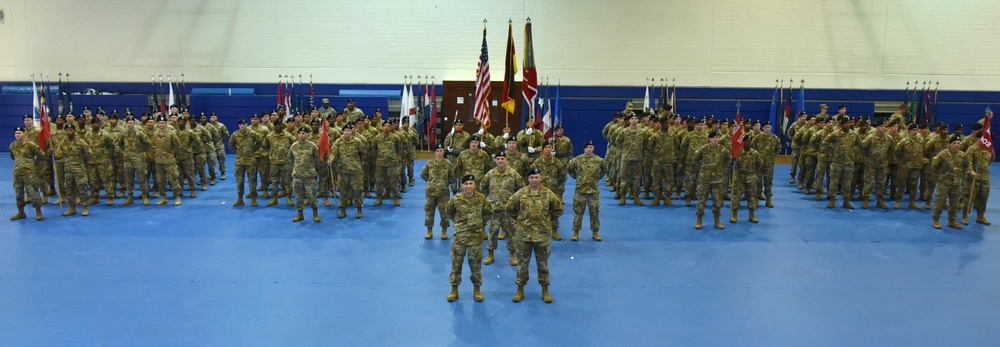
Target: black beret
925,126
548,142
474,138
954,138
588,143
86,108
458,121
467,178
21,129
100,111
213,114
350,100
277,121
304,130
977,126
128,118
406,120
713,134
557,127
241,121
28,116
500,154
942,125
254,116
766,123
348,126
69,126
439,146
161,118
959,126
534,171
316,121
512,138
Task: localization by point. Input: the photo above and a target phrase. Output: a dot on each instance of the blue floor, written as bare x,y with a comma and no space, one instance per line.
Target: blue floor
208,274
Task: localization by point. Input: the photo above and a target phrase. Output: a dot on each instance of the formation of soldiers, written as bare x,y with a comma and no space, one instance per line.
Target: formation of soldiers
100,151
856,159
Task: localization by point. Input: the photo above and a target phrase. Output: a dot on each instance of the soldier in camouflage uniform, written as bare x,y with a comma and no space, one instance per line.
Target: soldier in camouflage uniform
843,145
823,160
303,156
470,210
711,160
210,138
438,173
535,207
562,144
531,139
349,153
876,147
245,143
133,143
554,173
260,157
910,150
277,145
388,146
980,160
632,141
799,125
807,153
455,143
150,155
746,181
207,143
474,161
952,167
612,150
934,144
74,153
43,164
893,173
690,145
499,184
410,140
516,159
767,144
352,113
587,169
190,144
167,147
25,153
663,149
99,169
222,133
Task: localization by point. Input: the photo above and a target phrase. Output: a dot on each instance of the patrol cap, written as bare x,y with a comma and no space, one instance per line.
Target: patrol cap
467,178
241,121
713,134
16,129
474,138
588,143
512,138
500,154
326,101
534,171
304,130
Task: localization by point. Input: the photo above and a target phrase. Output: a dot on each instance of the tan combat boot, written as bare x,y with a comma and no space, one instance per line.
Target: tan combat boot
637,202
697,225
819,197
111,201
477,294
298,217
937,224
833,202
395,201
489,258
733,215
576,235
545,295
454,294
965,219
163,200
95,198
239,202
864,204
981,218
596,237
444,233
847,204
360,214
503,235
71,211
129,200
194,193
84,212
20,214
513,259
687,202
913,204
555,235
520,293
378,202
753,218
656,201
767,202
316,214
953,224
430,233
253,201
667,202
718,224
880,203
38,213
177,201
343,213
272,202
145,199
897,204
621,201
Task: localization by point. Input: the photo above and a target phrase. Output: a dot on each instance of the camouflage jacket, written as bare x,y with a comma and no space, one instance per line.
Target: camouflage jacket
563,147
691,143
458,142
190,143
876,148
134,144
303,156
952,167
911,153
553,172
534,213
768,145
748,166
475,164
24,154
167,145
348,155
713,161
74,153
389,148
632,142
245,143
101,147
980,160
587,171
499,186
438,174
261,132
842,147
518,162
664,147
221,134
277,145
470,215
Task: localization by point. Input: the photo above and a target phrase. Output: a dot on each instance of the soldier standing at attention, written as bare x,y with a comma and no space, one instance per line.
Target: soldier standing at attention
349,153
277,145
352,113
438,173
980,159
531,139
535,207
876,147
210,139
167,146
587,169
260,156
207,143
910,150
562,144
746,179
951,167
25,153
823,159
190,145
712,159
793,129
470,210
455,143
303,155
474,161
692,142
100,170
499,184
133,143
842,145
934,143
74,152
767,144
220,144
554,173
663,145
388,148
245,143
632,141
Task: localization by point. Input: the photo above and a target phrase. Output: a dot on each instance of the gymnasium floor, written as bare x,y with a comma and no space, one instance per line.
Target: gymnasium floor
208,274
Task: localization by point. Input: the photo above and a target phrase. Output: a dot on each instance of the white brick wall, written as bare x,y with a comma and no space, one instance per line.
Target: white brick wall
742,43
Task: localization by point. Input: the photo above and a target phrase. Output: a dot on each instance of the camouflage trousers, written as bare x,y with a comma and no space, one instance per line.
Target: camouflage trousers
824,176
185,167
893,180
165,171
875,178
325,183
951,193
305,190
458,253
928,182
199,167
807,170
542,252
767,177
663,179
43,170
77,190
101,175
264,169
841,176
499,220
24,184
591,202
679,171
119,166
431,203
60,173
350,185
691,180
246,172
220,156
387,180
135,170
629,175
795,163
612,164
981,193
409,167
909,179
368,181
647,174
281,179
718,191
747,188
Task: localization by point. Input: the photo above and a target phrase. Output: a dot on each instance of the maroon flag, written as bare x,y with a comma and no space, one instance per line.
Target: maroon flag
987,140
737,135
529,84
324,141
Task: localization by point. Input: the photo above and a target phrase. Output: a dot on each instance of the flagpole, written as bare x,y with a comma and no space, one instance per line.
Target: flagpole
936,85
732,179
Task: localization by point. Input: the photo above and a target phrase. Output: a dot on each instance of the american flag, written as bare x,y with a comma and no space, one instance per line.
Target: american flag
482,107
